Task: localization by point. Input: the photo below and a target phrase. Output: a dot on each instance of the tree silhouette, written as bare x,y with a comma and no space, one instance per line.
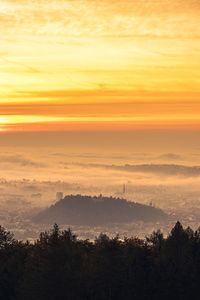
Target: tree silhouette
60,266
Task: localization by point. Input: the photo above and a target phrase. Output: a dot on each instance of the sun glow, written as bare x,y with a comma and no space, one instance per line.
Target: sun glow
28,119
52,123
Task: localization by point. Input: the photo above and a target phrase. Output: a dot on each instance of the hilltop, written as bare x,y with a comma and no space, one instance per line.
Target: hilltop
88,210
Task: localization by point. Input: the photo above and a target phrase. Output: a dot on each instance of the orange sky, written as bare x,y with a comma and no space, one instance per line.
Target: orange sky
99,65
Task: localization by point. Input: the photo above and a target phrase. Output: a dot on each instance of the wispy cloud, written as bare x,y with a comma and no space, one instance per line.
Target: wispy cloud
17,159
24,66
169,170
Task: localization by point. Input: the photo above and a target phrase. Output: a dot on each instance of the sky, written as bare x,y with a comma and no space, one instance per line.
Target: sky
106,65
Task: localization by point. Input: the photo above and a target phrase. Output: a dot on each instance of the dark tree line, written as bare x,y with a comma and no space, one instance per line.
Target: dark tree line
60,266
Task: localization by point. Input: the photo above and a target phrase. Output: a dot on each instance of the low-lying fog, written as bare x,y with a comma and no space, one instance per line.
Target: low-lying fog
29,180
170,180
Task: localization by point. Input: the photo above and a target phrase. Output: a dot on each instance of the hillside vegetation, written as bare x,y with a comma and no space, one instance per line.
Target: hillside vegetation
87,210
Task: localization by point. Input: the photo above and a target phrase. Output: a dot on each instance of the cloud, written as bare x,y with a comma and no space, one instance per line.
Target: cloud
120,18
157,169
20,160
27,67
81,155
170,156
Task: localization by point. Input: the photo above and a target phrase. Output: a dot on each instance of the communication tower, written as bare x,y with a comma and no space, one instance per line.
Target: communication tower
59,196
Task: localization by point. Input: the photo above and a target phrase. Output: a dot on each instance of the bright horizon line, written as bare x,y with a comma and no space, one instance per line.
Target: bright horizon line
9,123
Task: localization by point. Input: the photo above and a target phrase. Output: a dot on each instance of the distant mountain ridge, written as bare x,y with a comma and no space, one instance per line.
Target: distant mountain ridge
88,210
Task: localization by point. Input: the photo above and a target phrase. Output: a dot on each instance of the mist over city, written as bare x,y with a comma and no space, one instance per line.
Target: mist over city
31,178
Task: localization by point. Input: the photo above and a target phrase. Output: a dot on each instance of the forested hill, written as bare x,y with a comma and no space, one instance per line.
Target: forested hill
87,210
